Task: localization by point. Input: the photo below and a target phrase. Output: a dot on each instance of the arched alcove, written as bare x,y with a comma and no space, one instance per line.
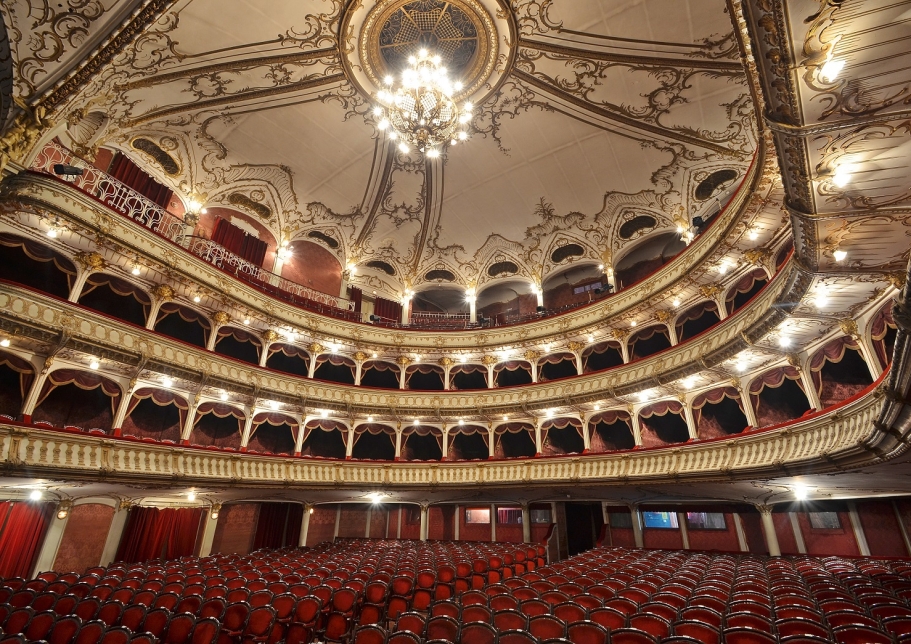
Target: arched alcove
696,320
82,399
662,423
273,433
603,355
572,285
238,344
611,431
117,298
512,373
883,332
16,377
289,359
503,302
335,368
468,377
468,443
422,443
556,366
239,233
183,323
719,413
374,442
217,425
380,374
648,341
155,413
313,266
778,396
646,258
839,371
745,289
324,438
36,266
562,436
424,377
515,440
439,299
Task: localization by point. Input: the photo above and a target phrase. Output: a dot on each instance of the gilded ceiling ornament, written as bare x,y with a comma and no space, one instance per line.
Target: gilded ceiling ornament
532,356
22,134
757,256
403,361
848,327
794,360
220,318
897,279
270,336
315,348
576,347
360,356
489,360
663,315
445,361
90,261
711,291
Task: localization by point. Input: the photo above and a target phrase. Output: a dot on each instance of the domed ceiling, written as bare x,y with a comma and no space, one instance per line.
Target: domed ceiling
589,115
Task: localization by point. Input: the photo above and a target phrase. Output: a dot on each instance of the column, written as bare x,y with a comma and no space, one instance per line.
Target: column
301,434
349,444
637,428
806,377
264,354
305,525
406,310
526,524
684,532
398,443
611,279
311,368
115,533
398,529
491,383
637,526
798,535
472,309
858,528
48,553
338,519
76,291
741,535
369,518
901,528
424,511
493,522
768,528
539,449
457,528
122,407
672,333
208,531
358,372
539,294
248,427
386,533
153,312
586,433
403,374
491,442
868,351
31,401
690,420
534,370
190,420
624,350
446,380
213,337
445,442
748,410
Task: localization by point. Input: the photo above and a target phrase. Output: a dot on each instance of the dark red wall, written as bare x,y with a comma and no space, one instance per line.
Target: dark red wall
716,539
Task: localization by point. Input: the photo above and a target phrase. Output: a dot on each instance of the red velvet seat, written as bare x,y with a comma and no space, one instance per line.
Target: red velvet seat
586,632
477,633
442,627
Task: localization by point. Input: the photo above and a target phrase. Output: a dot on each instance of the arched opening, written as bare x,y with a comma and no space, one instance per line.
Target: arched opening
611,431
883,333
156,414
239,234
217,425
80,399
662,423
719,413
512,373
839,371
335,368
424,377
649,341
117,298
36,266
778,396
440,308
313,266
647,257
182,323
238,344
601,356
506,302
374,442
325,438
743,291
273,434
697,319
380,374
468,443
562,436
125,170
289,359
422,443
572,286
556,366
468,377
515,440
16,377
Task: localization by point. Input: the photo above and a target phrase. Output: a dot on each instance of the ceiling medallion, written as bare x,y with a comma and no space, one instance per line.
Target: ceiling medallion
421,112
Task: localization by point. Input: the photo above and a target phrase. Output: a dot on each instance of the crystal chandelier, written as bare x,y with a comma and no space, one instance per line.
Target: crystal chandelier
421,113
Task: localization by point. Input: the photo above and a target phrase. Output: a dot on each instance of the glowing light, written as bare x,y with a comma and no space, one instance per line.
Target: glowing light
311,510
840,255
645,395
801,492
822,297
740,366
633,323
689,383
417,421
461,422
549,413
135,270
52,233
676,302
273,405
168,382
223,396
369,419
831,69
246,321
404,147
4,342
197,298
505,417
784,341
374,354
463,359
753,235
191,496
62,514
433,153
842,176
376,497
36,495
324,413
214,514
94,364
597,407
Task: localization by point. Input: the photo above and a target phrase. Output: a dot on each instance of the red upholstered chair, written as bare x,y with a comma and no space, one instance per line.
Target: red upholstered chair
412,622
23,598
87,608
504,602
703,615
747,636
403,637
570,612
205,631
43,601
586,632
64,629
510,620
857,634
850,618
546,627
259,624
446,607
90,633
260,598
179,629
17,621
652,624
117,635
369,634
476,613
632,636
608,618
700,631
156,621
234,620
40,625
533,607
477,633
337,627
474,597
442,627
516,637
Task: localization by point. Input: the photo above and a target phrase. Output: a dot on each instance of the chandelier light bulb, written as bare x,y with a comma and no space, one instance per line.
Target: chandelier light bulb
753,235
676,302
223,396
433,153
404,147
52,233
135,269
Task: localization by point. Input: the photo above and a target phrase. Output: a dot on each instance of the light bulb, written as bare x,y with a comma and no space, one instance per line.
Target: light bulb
62,514
197,298
214,516
463,359
842,176
246,321
374,354
369,419
463,136
4,342
135,270
840,255
94,364
324,413
676,302
633,323
36,495
740,366
831,69
784,341
753,235
417,421
404,147
433,153
273,405
168,381
461,422
389,80
52,233
597,407
377,111
223,396
191,496
688,383
382,125
800,491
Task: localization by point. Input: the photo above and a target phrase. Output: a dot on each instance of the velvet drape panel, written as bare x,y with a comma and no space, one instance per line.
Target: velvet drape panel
23,528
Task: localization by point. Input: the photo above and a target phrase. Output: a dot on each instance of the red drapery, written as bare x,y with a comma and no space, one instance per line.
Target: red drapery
39,252
279,525
387,309
82,379
154,533
356,296
21,534
124,170
239,242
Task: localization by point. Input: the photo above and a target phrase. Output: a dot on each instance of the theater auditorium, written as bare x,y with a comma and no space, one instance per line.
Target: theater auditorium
455,321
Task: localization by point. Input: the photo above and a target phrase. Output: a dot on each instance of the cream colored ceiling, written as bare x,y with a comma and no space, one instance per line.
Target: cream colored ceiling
605,102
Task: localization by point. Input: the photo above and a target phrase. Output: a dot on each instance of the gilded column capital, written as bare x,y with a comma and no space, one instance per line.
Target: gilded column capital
163,292
711,291
445,362
576,347
849,327
360,356
618,334
765,509
90,261
489,360
404,361
897,279
221,318
794,360
531,355
757,256
270,335
663,315
315,348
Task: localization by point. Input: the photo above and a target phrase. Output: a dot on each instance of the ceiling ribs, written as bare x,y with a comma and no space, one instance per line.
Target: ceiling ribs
237,98
647,61
655,131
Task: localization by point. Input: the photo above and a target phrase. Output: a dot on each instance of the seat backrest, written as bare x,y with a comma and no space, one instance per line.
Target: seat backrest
307,609
546,627
478,633
205,631
510,620
608,618
261,620
412,622
370,634
442,627
570,612
476,613
698,630
586,632
64,629
156,620
90,633
747,636
445,607
179,629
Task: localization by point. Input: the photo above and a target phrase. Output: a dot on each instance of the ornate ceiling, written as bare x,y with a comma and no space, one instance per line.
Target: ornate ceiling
589,114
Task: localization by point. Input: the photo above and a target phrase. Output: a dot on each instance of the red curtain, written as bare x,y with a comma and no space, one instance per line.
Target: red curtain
23,528
238,242
356,295
155,533
388,310
124,170
278,526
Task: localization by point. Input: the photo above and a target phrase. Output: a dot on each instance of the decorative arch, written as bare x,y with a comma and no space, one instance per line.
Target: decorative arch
16,377
646,257
380,374
374,442
696,319
155,414
425,377
468,377
422,443
313,266
662,423
745,289
468,443
556,366
117,298
36,266
719,413
562,436
883,332
84,400
183,323
573,285
778,396
288,358
839,371
512,373
325,438
648,341
238,344
218,425
603,355
273,433
333,367
611,431
515,440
